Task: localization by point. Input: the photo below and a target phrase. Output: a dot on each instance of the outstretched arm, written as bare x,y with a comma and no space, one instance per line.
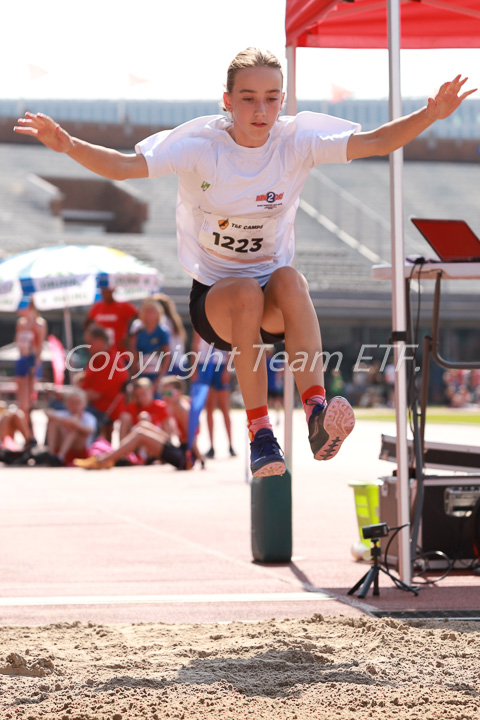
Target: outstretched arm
396,134
101,160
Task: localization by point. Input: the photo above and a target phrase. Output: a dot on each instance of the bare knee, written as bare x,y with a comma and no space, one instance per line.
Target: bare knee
141,427
247,296
287,281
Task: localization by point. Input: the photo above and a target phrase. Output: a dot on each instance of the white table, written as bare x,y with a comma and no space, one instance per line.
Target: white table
430,270
438,271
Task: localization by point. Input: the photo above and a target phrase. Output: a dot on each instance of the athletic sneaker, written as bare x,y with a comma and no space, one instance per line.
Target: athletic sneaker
265,455
93,463
328,427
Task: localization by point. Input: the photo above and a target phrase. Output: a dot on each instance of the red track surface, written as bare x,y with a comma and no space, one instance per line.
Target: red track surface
138,533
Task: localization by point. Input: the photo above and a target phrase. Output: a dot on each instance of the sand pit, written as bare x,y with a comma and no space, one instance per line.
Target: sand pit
333,668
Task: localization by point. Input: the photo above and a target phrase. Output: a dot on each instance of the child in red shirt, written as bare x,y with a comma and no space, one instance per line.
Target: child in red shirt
104,379
143,407
114,316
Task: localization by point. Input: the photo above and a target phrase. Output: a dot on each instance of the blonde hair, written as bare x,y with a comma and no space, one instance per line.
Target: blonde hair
173,381
171,313
150,302
77,392
249,58
142,382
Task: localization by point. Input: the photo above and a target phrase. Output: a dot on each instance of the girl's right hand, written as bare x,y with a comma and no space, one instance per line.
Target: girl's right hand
46,130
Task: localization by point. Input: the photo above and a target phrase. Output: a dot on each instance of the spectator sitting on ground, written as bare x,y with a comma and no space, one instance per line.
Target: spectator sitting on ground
112,315
155,441
173,391
150,342
143,437
13,419
103,380
70,431
144,407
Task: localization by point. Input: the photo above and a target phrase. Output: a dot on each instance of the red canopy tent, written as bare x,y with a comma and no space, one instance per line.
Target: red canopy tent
363,23
380,24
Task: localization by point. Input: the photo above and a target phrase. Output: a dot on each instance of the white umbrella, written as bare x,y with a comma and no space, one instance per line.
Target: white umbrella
65,276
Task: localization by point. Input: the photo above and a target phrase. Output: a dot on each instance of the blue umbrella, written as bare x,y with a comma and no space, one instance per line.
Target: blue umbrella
65,276
71,275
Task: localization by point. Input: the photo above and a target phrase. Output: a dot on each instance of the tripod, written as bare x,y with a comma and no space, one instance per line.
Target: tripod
373,574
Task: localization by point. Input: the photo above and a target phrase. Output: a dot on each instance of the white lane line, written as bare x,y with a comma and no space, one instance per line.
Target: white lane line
164,599
308,589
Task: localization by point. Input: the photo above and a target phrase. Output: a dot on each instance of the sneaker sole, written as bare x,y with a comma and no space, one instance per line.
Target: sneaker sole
273,468
339,422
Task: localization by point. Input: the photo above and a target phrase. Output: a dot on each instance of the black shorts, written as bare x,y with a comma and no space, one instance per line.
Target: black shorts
198,293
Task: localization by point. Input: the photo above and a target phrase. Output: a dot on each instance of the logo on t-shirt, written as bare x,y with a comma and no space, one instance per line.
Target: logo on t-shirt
269,198
205,185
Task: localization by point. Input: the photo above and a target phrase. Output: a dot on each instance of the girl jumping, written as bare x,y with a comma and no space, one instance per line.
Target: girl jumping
240,178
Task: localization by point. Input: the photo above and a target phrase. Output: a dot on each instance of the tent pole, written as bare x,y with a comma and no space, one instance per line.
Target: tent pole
67,322
291,53
289,387
399,314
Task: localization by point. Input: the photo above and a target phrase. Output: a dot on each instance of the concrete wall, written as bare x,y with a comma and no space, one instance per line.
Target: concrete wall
115,205
109,135
125,136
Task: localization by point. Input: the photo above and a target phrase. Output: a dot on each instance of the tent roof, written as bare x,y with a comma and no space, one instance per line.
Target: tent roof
363,23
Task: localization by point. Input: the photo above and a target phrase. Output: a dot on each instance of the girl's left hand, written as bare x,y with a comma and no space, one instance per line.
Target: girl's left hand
447,99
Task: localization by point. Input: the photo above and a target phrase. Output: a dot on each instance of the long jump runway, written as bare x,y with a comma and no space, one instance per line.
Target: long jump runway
136,545
156,545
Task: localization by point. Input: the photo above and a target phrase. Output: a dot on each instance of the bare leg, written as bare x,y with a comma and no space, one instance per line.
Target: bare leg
140,436
210,407
19,422
23,393
4,427
234,308
288,303
107,431
289,309
60,440
224,405
70,440
53,436
125,425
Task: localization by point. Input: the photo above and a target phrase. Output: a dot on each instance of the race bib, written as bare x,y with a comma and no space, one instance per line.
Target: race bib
239,239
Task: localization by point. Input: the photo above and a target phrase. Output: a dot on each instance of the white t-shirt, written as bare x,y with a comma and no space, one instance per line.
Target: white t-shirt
86,419
236,205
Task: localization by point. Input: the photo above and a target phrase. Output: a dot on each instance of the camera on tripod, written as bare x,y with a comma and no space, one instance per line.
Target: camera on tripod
374,532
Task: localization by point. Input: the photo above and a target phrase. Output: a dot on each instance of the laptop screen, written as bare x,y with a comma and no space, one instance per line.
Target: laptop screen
452,240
